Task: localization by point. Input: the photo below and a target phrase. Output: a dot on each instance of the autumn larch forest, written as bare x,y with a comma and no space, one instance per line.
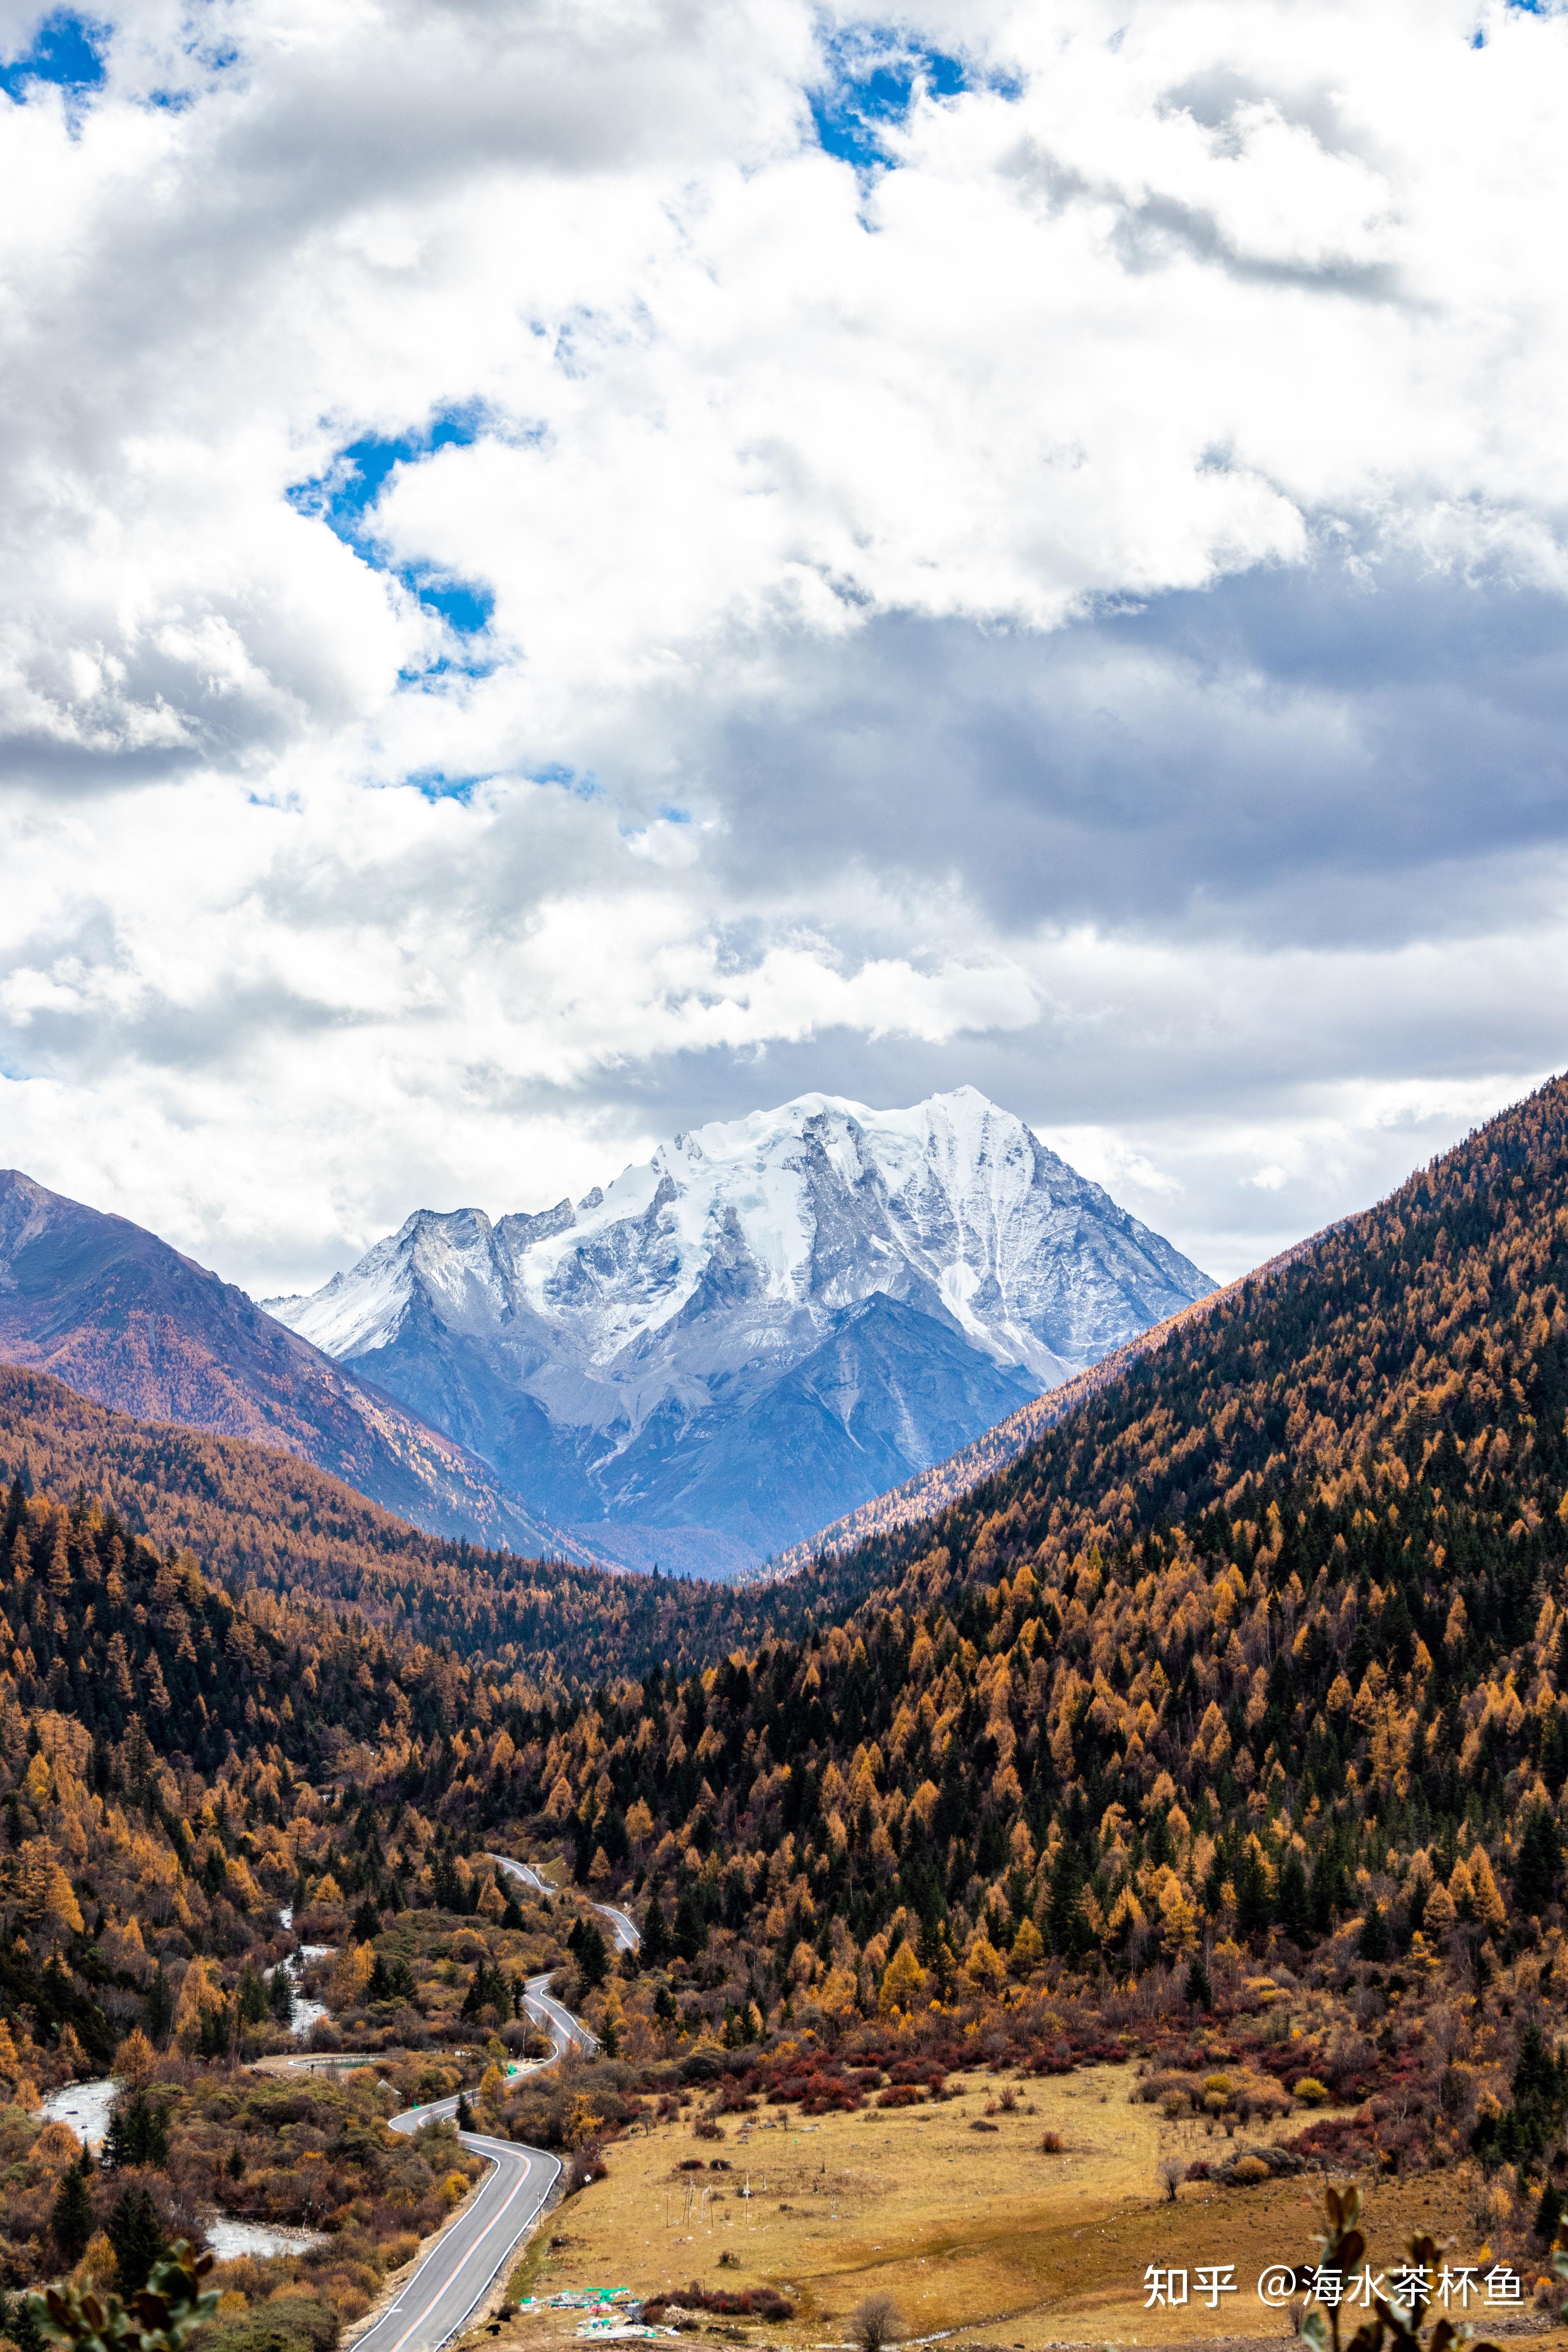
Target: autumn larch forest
1245,1688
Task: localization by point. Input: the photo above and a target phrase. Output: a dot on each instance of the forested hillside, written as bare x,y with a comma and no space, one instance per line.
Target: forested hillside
259,1517
161,1748
1265,1646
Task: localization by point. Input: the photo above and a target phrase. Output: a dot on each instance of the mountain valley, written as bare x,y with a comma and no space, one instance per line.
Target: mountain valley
1210,1754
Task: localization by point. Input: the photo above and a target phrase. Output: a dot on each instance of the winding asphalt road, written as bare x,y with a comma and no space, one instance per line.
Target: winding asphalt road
464,2264
623,1934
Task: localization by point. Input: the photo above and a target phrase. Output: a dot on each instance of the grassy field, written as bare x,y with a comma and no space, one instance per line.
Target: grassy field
978,2234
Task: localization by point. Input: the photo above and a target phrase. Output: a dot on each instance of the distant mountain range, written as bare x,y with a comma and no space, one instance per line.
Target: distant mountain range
770,1321
121,1317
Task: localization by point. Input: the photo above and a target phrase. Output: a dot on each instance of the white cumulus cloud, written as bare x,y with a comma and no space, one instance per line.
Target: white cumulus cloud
542,602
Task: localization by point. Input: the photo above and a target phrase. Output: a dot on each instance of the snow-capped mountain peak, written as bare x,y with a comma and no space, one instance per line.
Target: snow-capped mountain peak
670,1299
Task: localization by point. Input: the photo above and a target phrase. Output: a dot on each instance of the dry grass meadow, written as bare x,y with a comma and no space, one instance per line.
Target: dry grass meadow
981,2237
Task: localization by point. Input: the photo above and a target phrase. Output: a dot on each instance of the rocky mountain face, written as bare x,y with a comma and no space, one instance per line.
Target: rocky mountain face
121,1317
773,1320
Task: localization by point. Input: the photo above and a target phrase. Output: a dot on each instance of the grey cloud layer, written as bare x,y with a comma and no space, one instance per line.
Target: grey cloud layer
1300,755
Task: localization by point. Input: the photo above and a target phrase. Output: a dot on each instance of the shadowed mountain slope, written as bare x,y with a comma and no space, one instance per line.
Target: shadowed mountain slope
257,1517
122,1317
921,1497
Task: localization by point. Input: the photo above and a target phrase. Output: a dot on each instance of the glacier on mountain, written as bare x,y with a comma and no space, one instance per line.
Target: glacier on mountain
772,1319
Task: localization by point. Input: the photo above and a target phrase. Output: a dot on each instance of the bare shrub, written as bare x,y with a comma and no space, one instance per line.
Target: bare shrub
876,2321
586,2164
1170,2172
1369,2005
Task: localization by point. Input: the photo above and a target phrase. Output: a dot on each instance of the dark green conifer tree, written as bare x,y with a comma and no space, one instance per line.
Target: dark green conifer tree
1539,1864
1372,1943
1292,1906
70,2216
1198,1990
136,2234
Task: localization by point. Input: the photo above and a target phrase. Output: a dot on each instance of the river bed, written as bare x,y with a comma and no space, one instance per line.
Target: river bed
86,2107
304,2013
228,2240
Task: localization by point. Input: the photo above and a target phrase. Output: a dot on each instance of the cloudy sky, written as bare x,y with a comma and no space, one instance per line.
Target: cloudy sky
573,567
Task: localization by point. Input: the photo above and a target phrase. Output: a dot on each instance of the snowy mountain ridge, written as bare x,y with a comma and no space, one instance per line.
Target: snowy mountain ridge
616,1358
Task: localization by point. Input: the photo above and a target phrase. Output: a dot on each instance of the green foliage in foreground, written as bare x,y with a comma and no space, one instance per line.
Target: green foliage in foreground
163,2316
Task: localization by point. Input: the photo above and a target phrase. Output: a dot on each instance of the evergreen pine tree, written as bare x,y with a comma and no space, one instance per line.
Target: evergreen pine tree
464,2113
655,1930
252,1996
1326,1894
1065,1926
1554,1748
690,1926
136,2234
70,2216
1292,1906
1252,1903
137,2133
1535,2072
1538,1865
1198,1990
280,1993
1372,1944
160,2007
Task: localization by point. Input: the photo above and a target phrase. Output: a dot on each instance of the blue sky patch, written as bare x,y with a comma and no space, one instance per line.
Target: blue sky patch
359,473
871,89
67,50
436,786
343,498
464,604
